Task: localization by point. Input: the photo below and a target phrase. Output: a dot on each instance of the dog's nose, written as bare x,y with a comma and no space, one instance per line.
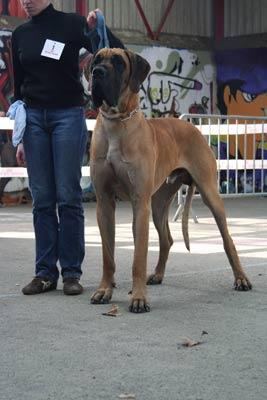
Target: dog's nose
99,72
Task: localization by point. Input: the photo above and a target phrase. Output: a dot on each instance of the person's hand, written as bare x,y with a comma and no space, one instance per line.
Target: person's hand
91,19
20,156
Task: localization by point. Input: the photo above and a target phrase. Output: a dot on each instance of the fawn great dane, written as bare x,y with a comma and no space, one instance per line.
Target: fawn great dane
146,161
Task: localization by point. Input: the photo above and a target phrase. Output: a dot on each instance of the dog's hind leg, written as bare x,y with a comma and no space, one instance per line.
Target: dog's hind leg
161,201
213,200
106,222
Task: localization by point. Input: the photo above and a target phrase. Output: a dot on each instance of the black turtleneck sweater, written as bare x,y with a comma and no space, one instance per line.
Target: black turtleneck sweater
45,82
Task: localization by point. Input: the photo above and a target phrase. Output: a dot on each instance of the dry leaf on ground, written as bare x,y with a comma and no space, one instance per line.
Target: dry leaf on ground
187,342
113,312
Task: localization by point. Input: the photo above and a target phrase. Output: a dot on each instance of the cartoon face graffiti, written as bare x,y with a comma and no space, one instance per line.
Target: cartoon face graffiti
242,81
239,102
242,89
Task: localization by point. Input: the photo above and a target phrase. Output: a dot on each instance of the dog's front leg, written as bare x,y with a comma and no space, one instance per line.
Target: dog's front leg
106,223
139,302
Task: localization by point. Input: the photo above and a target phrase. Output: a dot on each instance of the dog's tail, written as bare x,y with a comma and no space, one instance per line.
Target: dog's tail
185,216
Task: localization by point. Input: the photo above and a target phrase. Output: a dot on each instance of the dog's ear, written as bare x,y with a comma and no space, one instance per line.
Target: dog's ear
139,70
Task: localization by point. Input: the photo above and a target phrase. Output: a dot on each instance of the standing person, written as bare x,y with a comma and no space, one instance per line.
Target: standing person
46,78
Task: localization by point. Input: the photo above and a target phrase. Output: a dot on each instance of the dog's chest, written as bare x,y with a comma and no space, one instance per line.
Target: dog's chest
114,153
117,159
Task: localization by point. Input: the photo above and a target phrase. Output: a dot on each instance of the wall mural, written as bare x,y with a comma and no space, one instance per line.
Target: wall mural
242,81
5,69
242,90
12,8
180,81
8,8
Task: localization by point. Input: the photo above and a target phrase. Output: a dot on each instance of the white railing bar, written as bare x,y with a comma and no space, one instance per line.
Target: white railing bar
7,124
21,172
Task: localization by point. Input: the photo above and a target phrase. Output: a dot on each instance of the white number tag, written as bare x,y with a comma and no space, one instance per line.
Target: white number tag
52,49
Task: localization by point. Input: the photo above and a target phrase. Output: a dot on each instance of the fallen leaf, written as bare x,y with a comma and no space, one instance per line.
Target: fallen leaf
127,396
113,312
187,342
190,342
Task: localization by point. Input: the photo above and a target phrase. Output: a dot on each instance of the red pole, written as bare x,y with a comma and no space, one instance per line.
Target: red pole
81,7
163,19
141,12
219,19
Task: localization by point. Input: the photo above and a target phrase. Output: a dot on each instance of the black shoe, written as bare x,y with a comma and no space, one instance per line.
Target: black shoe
71,286
39,285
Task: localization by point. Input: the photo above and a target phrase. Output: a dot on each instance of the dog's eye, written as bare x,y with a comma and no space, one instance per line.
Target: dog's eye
118,61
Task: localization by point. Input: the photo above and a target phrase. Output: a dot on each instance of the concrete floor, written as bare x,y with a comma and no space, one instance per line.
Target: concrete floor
57,347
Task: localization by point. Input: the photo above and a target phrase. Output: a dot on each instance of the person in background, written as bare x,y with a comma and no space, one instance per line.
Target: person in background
45,53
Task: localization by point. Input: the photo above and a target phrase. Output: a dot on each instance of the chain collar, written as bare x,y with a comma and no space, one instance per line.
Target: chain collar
117,116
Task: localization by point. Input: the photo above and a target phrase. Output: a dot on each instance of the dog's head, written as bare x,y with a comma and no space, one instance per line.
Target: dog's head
115,73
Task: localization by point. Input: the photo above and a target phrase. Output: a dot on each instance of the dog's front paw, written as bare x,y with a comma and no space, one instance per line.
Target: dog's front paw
154,279
102,296
139,305
242,284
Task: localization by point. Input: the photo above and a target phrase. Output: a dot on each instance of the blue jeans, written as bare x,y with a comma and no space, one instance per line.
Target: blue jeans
54,144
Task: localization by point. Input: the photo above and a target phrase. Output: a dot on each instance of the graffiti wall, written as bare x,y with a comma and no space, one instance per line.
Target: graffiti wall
180,81
8,8
5,70
242,81
12,8
242,90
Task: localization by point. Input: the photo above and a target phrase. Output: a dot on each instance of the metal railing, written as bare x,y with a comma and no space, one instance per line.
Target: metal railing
240,147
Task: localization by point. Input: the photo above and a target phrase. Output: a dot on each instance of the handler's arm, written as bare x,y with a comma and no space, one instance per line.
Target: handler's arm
91,38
